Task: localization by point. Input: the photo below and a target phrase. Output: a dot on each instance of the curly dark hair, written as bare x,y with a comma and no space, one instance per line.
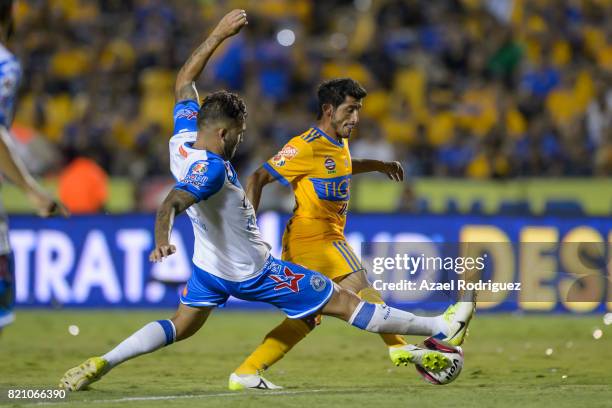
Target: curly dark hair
221,105
336,90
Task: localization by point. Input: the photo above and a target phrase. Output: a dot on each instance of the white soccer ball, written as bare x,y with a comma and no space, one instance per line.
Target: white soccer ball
448,375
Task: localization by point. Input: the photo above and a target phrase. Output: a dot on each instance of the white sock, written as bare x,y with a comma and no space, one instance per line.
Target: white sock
380,318
151,337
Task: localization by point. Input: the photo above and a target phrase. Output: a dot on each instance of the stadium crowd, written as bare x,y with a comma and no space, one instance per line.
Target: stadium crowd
461,88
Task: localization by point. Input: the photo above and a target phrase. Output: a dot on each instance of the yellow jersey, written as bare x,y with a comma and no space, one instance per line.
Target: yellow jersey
319,169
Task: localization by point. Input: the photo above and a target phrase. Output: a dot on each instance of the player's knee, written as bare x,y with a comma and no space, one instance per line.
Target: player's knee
184,329
342,304
187,322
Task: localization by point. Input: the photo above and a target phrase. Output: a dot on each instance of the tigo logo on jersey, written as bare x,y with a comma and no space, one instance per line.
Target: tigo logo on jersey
333,189
289,280
330,165
287,153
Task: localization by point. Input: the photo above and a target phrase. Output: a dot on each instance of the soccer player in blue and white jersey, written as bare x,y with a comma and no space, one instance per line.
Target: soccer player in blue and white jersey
230,258
11,165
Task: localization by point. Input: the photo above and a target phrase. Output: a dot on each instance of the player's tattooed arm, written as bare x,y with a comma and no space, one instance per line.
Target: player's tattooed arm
229,25
175,203
255,185
393,169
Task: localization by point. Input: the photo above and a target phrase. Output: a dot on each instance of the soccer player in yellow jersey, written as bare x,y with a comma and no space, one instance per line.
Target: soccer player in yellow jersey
319,167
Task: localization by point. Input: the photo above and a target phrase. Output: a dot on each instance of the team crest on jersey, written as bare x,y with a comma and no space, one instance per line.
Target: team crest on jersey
199,167
287,280
318,283
287,153
330,165
196,176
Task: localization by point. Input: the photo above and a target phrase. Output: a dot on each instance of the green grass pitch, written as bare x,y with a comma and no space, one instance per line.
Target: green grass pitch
506,364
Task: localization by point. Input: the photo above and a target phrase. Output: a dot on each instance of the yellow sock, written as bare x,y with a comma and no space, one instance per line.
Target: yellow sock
275,345
371,295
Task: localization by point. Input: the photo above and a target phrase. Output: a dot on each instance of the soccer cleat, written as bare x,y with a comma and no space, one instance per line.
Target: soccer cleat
430,359
458,318
239,382
79,377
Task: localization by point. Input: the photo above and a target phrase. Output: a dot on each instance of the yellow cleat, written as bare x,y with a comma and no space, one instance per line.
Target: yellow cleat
458,317
410,354
79,377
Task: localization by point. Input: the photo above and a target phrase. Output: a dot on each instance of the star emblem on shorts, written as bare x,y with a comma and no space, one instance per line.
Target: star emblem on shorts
289,280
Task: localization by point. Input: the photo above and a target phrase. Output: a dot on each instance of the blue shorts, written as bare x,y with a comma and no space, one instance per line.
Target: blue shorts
7,290
295,290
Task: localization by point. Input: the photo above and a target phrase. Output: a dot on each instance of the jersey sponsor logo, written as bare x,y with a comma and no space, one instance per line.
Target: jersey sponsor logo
196,176
187,113
287,153
332,189
318,283
197,221
287,280
183,152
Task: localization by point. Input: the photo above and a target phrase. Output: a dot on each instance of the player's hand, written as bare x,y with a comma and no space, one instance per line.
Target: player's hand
161,251
46,205
231,23
393,170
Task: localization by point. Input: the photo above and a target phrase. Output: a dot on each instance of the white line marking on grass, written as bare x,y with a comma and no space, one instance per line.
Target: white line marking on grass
189,396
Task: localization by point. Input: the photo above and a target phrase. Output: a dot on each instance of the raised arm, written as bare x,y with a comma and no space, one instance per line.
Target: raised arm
175,203
229,25
255,185
393,170
13,168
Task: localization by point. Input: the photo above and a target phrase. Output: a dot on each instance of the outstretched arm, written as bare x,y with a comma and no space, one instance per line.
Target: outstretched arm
393,169
255,185
176,202
229,25
13,168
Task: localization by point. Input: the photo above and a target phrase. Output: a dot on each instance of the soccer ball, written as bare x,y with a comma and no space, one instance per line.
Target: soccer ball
455,354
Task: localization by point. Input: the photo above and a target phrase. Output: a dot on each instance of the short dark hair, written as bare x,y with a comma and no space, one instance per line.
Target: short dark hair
221,105
336,90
